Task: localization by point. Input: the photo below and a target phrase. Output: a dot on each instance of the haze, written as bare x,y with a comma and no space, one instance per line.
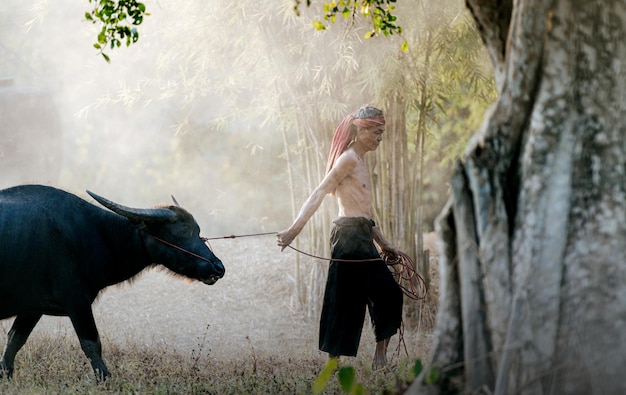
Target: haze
182,112
202,107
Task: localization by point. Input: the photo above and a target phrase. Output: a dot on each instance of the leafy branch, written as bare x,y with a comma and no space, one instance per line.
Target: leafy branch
380,12
119,19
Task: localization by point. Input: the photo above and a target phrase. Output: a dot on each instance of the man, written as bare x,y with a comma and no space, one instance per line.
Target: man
355,278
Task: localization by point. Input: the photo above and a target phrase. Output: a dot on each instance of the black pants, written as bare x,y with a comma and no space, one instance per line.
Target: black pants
351,286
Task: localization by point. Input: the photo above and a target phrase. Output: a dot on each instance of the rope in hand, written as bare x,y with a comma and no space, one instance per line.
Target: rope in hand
402,267
406,275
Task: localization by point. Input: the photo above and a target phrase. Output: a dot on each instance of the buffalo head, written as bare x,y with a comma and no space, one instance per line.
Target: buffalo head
172,238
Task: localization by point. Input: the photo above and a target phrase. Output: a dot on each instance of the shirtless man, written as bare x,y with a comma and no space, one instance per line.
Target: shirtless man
351,286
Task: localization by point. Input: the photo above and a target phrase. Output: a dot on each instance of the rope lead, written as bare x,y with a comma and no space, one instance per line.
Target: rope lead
402,267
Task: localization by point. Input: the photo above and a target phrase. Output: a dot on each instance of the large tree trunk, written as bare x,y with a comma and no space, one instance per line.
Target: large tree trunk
533,293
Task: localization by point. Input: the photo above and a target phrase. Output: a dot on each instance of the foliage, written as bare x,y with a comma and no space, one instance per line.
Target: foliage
118,19
346,376
379,11
325,375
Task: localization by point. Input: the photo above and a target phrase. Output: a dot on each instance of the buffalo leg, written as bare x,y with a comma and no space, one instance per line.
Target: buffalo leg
20,330
85,327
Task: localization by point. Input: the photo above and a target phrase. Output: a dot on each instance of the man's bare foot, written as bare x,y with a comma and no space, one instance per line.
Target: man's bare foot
380,355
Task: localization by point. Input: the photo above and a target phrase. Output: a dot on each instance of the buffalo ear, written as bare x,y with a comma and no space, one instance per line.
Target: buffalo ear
174,200
136,214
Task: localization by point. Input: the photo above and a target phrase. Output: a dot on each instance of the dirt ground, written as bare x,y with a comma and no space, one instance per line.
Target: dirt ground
248,312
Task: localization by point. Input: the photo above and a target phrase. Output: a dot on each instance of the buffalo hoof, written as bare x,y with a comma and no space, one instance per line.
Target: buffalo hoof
5,373
101,374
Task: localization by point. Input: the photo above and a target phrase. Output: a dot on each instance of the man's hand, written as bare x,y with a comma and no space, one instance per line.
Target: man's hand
391,250
285,237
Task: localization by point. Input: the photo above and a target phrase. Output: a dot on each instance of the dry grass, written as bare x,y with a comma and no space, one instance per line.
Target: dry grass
162,335
52,365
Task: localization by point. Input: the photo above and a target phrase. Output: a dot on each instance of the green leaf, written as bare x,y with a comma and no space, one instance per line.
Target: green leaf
369,34
105,56
433,376
358,389
318,25
346,376
97,46
102,37
135,34
322,379
405,48
417,368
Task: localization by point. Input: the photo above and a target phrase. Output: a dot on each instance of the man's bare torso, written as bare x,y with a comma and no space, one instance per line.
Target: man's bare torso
354,192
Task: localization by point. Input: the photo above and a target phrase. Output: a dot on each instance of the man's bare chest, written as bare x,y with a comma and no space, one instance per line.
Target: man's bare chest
358,183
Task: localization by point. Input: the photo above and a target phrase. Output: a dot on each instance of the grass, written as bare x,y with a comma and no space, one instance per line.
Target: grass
56,365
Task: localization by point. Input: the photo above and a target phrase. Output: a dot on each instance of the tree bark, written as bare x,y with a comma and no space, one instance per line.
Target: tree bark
534,237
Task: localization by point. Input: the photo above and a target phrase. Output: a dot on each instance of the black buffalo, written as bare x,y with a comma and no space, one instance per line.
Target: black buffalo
57,252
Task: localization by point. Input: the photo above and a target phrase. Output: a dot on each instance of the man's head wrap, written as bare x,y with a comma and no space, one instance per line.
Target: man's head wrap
364,117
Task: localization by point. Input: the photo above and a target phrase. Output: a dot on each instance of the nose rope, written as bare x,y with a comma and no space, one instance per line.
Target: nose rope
182,249
235,236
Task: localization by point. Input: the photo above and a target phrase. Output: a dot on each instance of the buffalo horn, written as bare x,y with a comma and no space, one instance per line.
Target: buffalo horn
141,214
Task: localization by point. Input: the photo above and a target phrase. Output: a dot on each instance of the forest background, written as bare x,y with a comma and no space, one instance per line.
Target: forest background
231,107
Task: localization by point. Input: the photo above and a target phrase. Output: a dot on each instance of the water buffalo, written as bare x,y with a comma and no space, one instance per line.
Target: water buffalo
57,252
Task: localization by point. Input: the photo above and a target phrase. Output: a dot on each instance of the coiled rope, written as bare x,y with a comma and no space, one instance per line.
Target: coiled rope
410,281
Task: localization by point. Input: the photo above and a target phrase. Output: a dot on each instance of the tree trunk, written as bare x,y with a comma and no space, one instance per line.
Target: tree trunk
534,265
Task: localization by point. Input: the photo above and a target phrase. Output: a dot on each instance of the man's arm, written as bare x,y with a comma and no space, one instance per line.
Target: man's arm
384,245
343,167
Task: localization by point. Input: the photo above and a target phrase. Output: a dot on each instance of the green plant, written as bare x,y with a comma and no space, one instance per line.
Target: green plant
346,376
380,12
118,19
